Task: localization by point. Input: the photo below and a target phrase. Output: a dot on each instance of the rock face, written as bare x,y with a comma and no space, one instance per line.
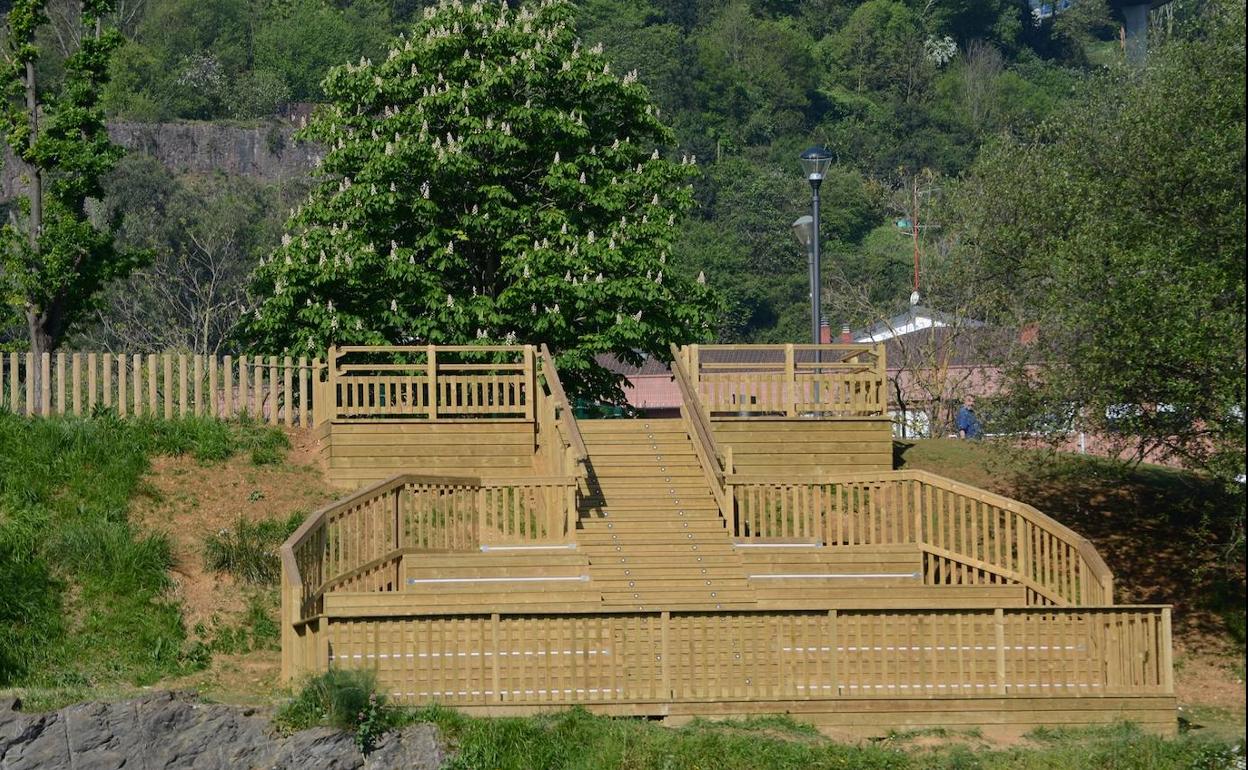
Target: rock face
164,731
266,152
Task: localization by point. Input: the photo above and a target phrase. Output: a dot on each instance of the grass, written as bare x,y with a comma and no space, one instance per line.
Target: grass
86,596
578,740
249,549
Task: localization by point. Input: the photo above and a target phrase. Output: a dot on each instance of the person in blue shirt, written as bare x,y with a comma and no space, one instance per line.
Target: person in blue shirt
966,421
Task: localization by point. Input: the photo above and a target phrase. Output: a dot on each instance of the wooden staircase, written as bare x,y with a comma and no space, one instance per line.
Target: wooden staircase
650,525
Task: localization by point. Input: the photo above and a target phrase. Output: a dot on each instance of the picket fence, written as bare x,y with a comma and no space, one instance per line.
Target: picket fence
276,389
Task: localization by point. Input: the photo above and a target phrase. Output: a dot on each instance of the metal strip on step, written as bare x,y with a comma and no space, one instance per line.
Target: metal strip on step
562,547
574,578
835,575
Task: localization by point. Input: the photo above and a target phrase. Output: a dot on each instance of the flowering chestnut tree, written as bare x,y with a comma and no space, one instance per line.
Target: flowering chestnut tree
491,181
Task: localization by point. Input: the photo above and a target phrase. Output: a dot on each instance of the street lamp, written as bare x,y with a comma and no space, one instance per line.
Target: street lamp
815,162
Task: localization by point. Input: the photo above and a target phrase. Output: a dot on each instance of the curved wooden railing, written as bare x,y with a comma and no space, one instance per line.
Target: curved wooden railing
968,536
350,544
715,464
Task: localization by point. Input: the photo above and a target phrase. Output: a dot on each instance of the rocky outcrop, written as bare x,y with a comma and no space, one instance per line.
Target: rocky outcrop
266,152
165,730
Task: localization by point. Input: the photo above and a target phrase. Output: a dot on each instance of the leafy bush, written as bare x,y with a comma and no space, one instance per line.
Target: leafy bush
249,550
346,699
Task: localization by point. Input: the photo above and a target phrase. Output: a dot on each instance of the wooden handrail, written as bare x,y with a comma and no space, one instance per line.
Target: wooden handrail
566,419
712,459
903,516
293,580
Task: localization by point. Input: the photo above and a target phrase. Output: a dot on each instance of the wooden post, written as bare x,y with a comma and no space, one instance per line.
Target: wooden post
431,364
1166,653
998,616
790,381
330,411
530,382
198,375
212,409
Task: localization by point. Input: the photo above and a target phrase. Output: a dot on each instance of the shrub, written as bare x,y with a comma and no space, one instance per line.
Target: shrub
345,699
249,550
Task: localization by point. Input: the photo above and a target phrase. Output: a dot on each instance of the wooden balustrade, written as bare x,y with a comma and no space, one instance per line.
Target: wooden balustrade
346,546
272,388
844,380
968,536
430,382
754,655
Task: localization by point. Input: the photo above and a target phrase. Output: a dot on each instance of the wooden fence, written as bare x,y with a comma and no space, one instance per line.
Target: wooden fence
788,380
968,536
756,655
430,382
272,388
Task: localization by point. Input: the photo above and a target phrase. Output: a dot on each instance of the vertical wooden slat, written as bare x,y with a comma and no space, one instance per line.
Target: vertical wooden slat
182,378
288,405
60,382
76,384
227,379
304,392
166,383
243,390
274,390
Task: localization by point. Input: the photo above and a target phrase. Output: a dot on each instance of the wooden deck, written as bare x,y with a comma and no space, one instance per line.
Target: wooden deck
713,564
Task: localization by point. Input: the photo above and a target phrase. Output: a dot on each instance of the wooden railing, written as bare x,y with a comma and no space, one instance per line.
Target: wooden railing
660,657
272,388
561,449
356,543
715,464
429,382
788,380
968,536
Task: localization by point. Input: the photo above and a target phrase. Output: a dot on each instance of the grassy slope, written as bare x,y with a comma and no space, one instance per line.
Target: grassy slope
86,601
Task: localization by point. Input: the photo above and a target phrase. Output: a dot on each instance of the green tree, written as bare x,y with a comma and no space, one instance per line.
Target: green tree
491,180
1118,229
54,258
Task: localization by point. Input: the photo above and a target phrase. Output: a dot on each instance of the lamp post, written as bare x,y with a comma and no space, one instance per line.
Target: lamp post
815,162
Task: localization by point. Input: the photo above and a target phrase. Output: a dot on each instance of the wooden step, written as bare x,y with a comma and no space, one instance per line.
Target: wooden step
652,469
652,526
707,596
798,595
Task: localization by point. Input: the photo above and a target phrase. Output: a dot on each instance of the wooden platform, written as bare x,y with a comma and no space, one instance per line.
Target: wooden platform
707,565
